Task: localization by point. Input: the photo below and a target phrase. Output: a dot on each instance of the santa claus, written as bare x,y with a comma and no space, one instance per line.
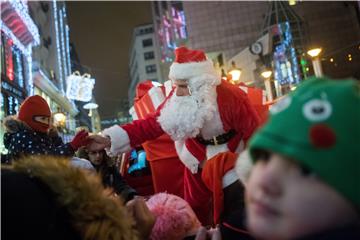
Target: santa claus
203,115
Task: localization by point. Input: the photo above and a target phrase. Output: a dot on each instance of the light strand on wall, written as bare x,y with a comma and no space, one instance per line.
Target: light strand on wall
62,37
67,33
30,79
19,68
58,47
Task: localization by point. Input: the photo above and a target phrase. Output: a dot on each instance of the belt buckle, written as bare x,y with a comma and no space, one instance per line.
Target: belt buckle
215,141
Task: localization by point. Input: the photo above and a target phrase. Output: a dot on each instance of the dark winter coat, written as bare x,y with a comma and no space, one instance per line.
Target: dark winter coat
111,178
20,140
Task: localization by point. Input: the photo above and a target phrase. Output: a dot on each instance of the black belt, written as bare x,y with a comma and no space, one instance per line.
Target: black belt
221,139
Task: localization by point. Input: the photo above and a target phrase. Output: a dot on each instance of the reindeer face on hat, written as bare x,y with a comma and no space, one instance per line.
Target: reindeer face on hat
35,112
194,68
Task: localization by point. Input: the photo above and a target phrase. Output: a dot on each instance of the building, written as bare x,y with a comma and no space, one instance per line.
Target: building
143,64
228,30
170,32
18,35
52,61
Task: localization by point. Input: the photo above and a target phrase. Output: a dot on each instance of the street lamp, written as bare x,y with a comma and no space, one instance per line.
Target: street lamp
314,53
91,106
235,73
59,119
266,74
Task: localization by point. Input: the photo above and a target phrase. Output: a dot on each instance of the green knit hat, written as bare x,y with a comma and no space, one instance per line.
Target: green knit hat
318,125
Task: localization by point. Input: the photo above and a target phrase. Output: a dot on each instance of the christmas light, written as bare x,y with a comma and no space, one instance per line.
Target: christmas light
23,13
67,33
79,87
30,79
20,77
61,18
58,47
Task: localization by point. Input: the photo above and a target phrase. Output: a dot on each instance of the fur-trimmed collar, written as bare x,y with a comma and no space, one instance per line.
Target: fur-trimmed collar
13,125
93,213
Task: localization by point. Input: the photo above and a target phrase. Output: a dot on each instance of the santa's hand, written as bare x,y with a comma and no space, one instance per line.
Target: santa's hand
97,143
144,218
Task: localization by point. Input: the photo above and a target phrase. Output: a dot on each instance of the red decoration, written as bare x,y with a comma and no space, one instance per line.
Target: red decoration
322,136
9,59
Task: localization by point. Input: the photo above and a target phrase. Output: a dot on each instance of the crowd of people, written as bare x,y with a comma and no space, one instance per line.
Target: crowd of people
295,177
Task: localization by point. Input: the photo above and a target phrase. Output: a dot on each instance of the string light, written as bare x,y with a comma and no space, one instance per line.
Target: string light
67,33
61,18
58,47
19,68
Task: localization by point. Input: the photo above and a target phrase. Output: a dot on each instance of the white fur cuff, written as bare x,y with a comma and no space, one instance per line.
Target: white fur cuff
243,166
120,142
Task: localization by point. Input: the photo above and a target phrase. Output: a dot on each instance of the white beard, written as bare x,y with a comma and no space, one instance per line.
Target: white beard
183,117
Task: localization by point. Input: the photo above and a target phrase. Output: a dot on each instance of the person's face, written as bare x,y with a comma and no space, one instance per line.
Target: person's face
181,88
96,157
285,201
42,119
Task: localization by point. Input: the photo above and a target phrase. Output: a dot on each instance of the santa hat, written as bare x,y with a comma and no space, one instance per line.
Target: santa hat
34,106
175,219
192,65
219,173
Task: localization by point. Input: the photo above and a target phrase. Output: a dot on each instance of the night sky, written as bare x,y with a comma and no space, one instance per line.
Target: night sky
101,32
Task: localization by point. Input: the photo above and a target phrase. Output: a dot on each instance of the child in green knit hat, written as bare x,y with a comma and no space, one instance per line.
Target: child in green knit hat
305,183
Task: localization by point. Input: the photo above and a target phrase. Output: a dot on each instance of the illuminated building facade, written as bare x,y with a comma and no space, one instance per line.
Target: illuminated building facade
18,35
170,32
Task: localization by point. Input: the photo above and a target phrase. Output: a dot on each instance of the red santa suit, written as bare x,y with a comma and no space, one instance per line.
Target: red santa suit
232,122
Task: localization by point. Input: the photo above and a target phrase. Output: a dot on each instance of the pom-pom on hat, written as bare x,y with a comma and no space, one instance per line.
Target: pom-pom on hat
321,121
217,174
175,219
34,106
192,65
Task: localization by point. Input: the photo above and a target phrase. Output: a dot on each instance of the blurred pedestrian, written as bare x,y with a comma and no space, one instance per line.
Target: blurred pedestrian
109,173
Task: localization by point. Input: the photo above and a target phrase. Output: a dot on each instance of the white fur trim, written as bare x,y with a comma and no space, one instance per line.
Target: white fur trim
120,142
243,166
133,113
157,96
229,178
193,70
212,150
186,157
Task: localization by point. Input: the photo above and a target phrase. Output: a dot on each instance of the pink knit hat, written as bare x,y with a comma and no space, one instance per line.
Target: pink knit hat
175,219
